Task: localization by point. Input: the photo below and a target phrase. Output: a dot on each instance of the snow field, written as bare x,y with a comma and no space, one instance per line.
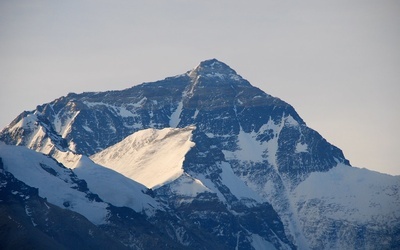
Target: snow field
25,165
151,157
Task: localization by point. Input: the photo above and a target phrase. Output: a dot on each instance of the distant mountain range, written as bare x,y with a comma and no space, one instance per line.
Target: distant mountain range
202,160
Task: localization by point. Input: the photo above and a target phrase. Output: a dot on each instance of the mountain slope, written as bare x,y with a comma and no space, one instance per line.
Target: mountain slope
249,156
59,185
356,208
59,205
156,158
111,186
29,221
141,155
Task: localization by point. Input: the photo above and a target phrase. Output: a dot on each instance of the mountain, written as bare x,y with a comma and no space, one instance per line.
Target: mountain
224,164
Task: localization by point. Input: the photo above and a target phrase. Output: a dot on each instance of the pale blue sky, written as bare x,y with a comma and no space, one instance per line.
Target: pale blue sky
337,62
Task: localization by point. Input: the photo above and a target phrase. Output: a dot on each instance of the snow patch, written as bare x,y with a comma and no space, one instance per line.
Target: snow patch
188,186
27,122
195,114
57,124
140,103
175,116
211,186
290,121
68,125
236,185
301,148
122,111
351,194
235,77
249,150
272,145
27,166
259,243
87,128
151,157
215,75
113,187
253,150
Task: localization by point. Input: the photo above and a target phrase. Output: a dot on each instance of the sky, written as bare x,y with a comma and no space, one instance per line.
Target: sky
337,62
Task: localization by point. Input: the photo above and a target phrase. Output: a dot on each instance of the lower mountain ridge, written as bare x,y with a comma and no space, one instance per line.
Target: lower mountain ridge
202,160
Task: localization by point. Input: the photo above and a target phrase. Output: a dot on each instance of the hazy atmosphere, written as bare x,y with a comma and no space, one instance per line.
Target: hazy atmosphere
336,62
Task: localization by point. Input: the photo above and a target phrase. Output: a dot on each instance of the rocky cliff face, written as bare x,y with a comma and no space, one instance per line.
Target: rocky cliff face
249,177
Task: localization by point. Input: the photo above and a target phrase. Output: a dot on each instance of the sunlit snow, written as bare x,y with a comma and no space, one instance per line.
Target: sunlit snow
151,157
188,186
113,187
110,185
29,167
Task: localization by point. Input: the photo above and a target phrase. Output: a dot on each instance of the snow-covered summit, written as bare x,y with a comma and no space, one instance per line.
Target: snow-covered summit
216,72
213,68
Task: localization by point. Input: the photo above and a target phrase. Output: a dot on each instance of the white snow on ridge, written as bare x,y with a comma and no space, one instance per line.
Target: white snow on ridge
66,129
188,186
113,187
151,157
27,122
351,194
37,138
54,184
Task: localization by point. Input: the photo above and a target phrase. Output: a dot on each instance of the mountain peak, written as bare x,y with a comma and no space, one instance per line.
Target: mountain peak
213,63
214,68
